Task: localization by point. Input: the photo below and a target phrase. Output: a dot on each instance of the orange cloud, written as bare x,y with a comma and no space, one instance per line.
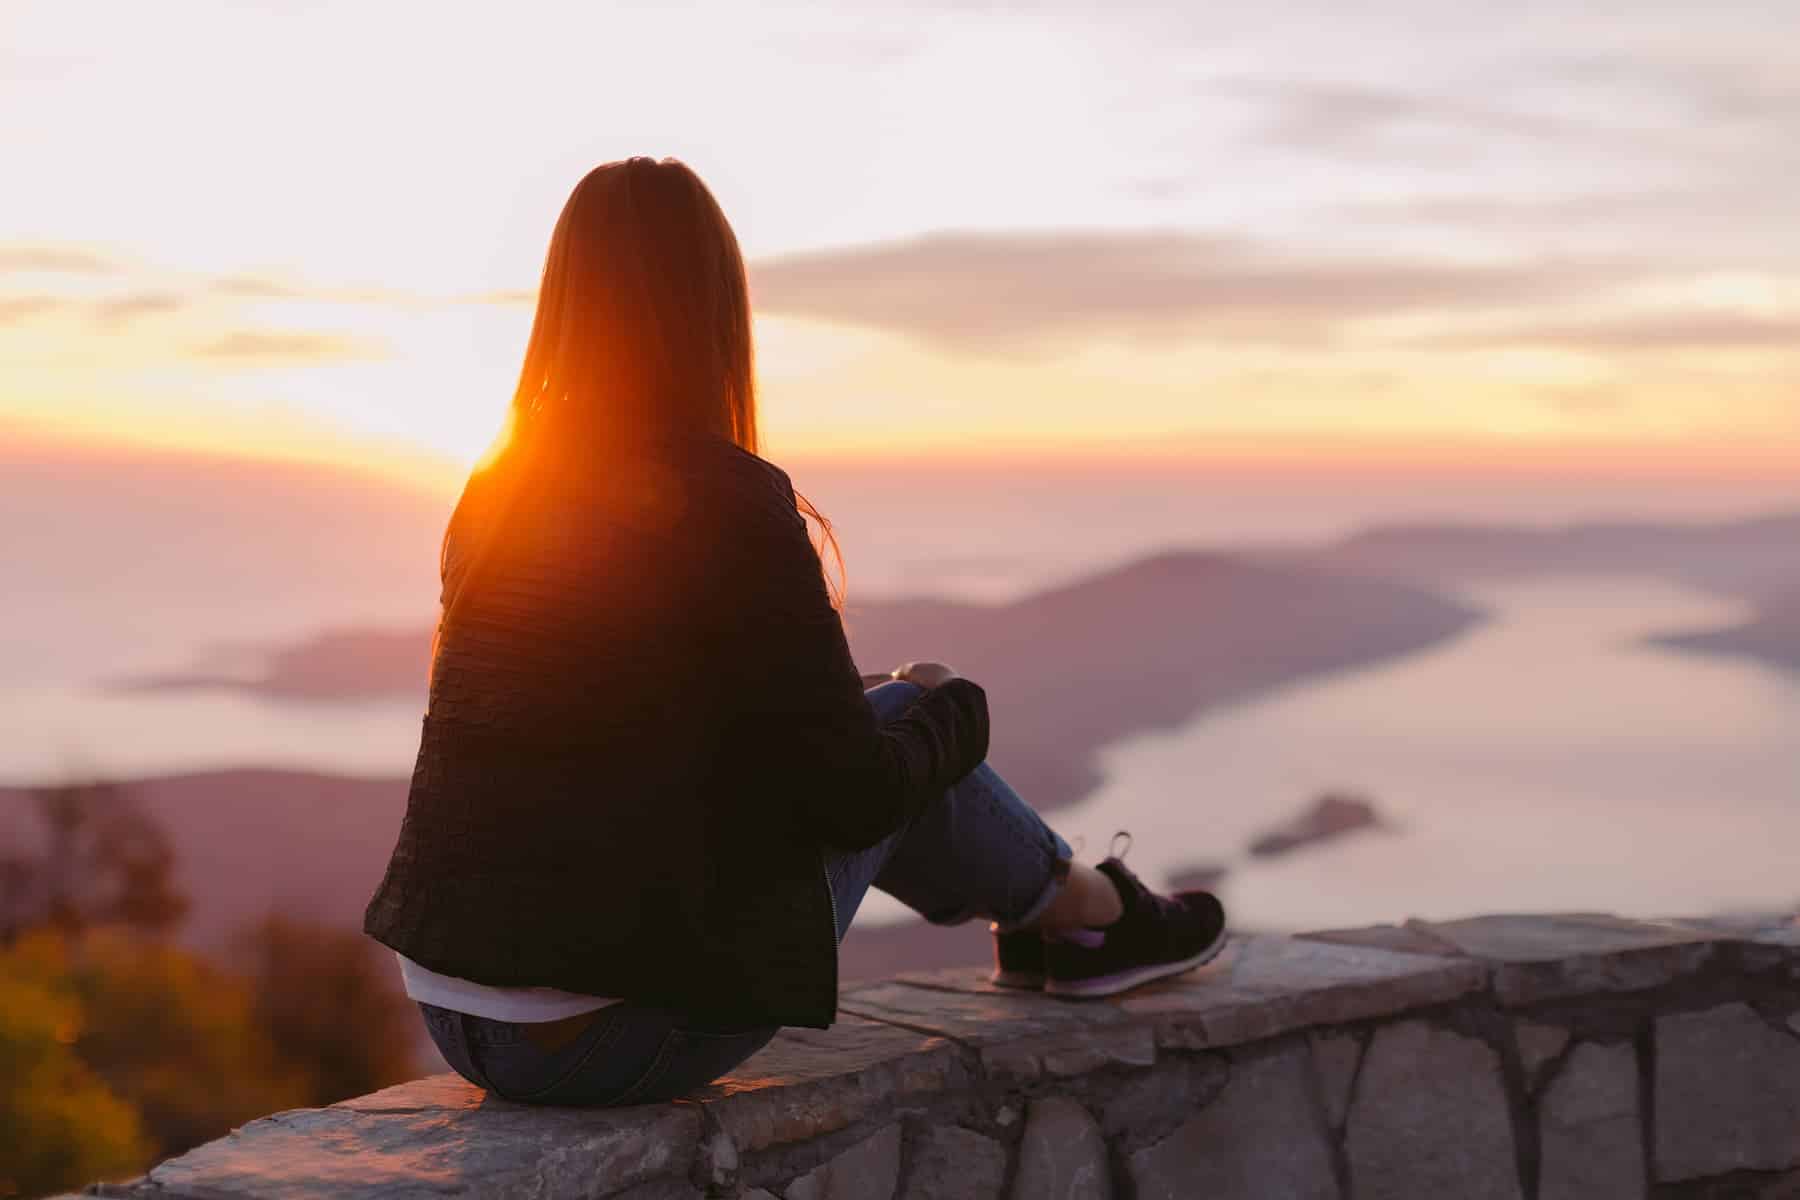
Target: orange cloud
1656,331
270,348
119,311
61,260
21,308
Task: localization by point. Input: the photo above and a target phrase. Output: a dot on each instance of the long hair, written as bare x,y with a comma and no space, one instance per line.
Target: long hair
642,331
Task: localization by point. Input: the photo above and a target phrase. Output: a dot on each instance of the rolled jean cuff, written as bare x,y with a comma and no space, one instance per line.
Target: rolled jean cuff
1059,878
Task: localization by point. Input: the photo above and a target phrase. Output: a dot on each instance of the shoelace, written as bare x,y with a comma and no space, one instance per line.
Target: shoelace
1162,906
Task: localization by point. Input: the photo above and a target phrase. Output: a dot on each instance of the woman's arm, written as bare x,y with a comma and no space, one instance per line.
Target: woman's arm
799,710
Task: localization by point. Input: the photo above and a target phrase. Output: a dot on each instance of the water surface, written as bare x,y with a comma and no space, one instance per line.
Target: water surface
1548,760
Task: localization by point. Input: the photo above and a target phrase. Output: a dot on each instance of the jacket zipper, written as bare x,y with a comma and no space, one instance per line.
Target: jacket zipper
831,903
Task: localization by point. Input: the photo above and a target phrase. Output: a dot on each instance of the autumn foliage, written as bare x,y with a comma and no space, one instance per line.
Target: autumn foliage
119,1047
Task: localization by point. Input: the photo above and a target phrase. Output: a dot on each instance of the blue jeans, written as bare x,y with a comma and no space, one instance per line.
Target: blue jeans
980,851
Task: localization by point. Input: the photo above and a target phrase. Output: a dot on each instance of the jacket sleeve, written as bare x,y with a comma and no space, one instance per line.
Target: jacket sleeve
797,706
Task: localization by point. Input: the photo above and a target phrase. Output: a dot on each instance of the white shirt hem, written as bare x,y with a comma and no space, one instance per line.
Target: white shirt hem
524,1005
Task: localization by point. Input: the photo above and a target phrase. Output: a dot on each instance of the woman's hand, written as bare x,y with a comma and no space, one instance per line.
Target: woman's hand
926,674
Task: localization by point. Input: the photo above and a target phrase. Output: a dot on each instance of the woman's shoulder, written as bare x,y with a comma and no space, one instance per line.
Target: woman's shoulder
752,488
742,467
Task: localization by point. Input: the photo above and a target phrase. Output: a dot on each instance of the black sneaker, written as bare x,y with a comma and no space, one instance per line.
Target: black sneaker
1018,959
1157,937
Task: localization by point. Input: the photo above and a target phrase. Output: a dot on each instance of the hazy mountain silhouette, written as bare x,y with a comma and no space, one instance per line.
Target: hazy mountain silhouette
1756,560
1771,637
1754,557
344,664
1146,647
1067,670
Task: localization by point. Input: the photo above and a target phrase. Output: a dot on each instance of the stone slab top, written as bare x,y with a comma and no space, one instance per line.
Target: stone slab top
428,1138
1558,956
1263,987
1260,987
810,1082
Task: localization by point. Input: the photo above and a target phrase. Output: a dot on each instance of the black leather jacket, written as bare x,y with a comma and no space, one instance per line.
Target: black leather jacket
644,732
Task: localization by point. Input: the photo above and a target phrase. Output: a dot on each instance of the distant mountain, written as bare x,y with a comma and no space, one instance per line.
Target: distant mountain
1140,648
1757,560
343,664
1772,637
1752,557
1146,647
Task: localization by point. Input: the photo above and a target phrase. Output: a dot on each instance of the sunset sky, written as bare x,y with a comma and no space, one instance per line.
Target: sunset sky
1173,229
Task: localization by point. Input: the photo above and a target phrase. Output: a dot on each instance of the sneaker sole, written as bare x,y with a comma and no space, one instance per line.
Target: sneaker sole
1124,981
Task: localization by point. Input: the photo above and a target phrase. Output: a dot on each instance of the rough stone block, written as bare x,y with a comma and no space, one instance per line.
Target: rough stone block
1742,1185
1335,1057
1558,956
1727,1094
809,1082
1591,1135
1430,1118
1266,986
946,1162
1758,941
1780,929
660,1189
717,1163
1069,1054
1151,1104
1062,1155
434,1136
869,1170
1538,1044
1260,1138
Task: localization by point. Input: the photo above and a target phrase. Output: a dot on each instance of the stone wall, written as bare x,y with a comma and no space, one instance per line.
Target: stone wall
1518,1058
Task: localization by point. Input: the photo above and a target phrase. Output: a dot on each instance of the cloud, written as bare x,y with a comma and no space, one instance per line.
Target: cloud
1586,400
1520,214
1712,90
273,348
504,297
14,309
262,287
1013,291
1650,332
59,260
1357,119
253,287
117,312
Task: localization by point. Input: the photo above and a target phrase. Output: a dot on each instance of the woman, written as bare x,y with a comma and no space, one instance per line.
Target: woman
651,791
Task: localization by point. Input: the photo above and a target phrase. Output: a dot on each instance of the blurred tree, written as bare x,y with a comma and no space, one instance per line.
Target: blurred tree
104,861
179,1038
61,1126
117,1047
327,999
